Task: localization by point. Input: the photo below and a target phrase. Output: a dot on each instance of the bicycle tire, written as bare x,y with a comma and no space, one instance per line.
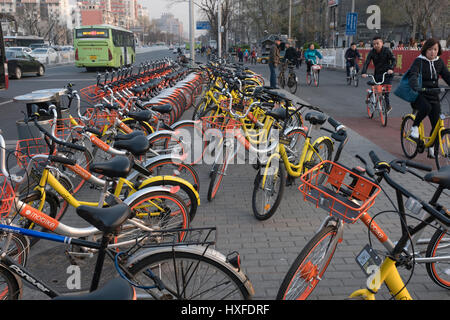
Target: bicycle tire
442,156
165,144
355,81
194,131
216,177
383,112
409,147
50,208
316,79
294,84
204,104
308,78
190,269
171,167
434,269
370,105
276,183
9,286
139,126
281,80
161,217
305,271
19,248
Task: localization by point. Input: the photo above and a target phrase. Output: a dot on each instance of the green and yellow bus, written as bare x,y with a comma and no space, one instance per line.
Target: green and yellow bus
103,46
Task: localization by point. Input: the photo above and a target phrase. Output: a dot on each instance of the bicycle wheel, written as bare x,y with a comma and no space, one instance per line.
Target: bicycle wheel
309,267
9,287
160,210
204,104
165,144
33,199
439,271
324,151
409,146
308,78
267,198
190,133
281,80
292,83
355,80
18,249
383,111
442,149
216,174
370,104
188,275
316,78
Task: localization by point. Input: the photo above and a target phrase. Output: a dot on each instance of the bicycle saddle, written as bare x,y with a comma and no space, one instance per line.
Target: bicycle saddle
163,109
121,136
115,289
107,220
279,114
138,145
117,167
441,177
144,115
315,118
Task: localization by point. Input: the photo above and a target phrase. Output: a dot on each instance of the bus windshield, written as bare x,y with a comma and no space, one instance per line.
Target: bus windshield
92,33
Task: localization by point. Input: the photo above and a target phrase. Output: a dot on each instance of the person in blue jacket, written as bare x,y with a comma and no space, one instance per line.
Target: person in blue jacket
311,56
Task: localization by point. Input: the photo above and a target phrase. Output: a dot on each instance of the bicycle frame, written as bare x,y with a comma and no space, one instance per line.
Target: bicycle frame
430,141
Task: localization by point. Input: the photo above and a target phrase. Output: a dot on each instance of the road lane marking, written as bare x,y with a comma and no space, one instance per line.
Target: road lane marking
6,102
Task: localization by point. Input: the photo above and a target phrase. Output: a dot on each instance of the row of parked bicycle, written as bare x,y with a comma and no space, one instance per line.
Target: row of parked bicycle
141,158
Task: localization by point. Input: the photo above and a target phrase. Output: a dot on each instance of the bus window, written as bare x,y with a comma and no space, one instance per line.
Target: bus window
3,64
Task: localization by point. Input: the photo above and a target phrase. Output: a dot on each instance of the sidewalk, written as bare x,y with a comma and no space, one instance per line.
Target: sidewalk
268,248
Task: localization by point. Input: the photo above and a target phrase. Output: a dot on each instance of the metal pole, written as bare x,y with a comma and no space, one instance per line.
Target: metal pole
290,19
219,29
192,29
353,10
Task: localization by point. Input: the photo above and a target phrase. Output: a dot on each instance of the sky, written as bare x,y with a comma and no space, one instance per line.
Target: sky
157,7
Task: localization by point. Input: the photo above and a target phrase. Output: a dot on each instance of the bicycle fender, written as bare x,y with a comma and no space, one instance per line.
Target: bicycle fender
128,201
153,160
409,115
180,123
268,167
160,132
195,249
152,180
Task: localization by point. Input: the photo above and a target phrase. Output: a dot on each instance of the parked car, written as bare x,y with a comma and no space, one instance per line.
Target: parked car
38,45
20,63
45,55
20,49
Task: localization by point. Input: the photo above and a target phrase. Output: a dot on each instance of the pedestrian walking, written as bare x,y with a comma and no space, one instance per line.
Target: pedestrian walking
240,55
274,61
298,63
253,56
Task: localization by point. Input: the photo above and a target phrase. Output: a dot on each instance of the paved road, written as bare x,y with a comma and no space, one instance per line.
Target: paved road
268,248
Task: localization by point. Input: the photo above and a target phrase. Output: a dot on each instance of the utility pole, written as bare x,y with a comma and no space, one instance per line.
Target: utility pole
192,29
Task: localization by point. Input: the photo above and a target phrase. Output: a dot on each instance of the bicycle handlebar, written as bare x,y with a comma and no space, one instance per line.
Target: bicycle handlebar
378,83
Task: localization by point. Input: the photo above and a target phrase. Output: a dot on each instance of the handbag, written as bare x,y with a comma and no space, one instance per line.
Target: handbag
404,90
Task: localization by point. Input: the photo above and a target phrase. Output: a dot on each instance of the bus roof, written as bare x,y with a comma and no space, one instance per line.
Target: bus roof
103,26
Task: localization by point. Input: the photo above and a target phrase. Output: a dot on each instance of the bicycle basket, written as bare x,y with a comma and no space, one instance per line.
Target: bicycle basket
28,148
6,196
100,120
221,122
92,94
339,190
316,67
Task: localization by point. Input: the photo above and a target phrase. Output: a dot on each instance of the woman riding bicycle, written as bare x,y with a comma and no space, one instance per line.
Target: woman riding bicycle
311,56
427,104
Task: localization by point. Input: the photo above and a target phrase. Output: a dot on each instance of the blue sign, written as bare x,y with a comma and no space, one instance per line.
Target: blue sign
203,25
352,23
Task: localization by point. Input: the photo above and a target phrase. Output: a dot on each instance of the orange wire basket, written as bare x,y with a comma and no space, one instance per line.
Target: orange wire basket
7,196
383,88
28,148
221,122
339,191
92,93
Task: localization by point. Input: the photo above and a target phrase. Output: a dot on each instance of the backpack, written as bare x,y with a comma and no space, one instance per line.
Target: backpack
404,90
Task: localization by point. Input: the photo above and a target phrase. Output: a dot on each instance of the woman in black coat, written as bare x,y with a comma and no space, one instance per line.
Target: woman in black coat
431,67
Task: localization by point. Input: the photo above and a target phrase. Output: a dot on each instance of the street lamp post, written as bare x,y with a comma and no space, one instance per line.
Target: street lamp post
219,29
290,19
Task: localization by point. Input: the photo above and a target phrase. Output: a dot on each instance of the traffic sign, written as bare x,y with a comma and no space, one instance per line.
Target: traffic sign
203,25
352,23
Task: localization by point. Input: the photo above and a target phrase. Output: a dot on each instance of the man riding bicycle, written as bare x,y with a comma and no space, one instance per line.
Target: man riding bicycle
290,55
311,56
351,56
384,61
